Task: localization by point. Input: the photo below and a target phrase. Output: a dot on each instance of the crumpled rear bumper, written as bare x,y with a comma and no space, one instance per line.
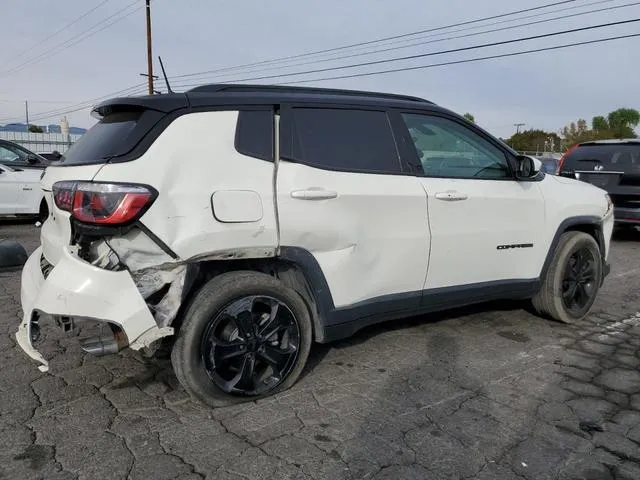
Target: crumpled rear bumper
77,289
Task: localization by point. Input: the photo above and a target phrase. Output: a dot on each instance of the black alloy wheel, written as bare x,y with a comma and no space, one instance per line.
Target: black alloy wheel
570,285
250,345
579,280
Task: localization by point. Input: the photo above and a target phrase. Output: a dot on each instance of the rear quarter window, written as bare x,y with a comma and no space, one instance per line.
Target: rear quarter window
254,134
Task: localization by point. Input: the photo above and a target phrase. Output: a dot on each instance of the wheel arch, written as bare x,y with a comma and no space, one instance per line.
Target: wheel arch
43,209
296,267
590,225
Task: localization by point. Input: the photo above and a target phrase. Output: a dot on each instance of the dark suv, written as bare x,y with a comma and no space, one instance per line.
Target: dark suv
613,165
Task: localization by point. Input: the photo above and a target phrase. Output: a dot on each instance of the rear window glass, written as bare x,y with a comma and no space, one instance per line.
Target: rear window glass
612,157
254,134
110,137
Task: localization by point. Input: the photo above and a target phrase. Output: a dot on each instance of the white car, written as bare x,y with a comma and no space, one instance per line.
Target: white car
251,221
20,192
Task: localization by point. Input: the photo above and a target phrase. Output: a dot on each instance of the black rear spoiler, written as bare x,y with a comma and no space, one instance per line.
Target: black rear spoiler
160,103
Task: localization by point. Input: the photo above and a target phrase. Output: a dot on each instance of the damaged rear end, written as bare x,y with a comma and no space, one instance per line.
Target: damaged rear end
97,261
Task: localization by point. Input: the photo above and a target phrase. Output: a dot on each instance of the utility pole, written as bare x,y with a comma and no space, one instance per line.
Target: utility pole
149,59
26,111
518,125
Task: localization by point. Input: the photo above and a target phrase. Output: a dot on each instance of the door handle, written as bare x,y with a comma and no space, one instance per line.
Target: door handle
314,194
451,196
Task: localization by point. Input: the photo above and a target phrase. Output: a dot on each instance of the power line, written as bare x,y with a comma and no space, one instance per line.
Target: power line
469,60
51,102
65,27
524,17
562,17
87,104
132,90
76,39
369,42
441,52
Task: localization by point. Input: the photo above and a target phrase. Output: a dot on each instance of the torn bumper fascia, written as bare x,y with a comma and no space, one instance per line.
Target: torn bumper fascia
77,289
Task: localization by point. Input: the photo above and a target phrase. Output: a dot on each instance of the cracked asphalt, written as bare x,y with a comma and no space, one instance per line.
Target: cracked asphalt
486,393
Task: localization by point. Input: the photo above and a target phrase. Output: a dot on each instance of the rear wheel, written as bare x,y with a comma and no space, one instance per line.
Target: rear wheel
245,336
571,284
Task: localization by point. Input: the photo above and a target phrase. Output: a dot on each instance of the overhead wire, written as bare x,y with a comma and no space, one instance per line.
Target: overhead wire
87,104
370,42
469,60
527,24
60,30
441,52
56,49
140,88
132,90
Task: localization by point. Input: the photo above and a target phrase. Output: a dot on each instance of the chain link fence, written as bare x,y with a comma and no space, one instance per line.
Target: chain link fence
41,142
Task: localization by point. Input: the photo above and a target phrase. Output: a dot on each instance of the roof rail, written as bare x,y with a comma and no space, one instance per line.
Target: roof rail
230,87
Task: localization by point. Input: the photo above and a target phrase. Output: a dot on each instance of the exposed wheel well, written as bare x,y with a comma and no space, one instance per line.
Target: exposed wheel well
288,273
592,230
43,211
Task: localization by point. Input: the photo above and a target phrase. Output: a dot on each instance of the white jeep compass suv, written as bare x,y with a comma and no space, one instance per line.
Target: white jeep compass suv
251,221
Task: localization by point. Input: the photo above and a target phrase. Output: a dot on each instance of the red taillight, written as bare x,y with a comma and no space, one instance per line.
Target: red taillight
563,158
102,203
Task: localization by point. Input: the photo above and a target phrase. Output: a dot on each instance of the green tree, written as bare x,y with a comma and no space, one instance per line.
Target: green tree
577,132
470,117
35,129
535,140
600,124
622,122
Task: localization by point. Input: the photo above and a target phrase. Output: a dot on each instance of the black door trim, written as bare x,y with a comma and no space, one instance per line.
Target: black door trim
337,323
342,322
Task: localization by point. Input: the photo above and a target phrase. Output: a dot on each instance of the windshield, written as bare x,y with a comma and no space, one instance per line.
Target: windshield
13,153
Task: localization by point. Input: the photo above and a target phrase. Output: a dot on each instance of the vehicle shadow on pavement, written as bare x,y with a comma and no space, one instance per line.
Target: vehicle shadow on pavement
505,406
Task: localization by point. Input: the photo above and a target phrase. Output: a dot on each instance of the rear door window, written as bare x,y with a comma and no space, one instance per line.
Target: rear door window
343,139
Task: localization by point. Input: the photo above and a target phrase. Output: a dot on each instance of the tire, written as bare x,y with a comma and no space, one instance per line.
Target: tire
207,318
550,301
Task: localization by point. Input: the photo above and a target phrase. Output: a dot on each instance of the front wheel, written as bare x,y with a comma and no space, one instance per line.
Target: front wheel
245,336
571,284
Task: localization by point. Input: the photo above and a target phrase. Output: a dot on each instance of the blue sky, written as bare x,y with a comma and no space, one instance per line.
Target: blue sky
543,90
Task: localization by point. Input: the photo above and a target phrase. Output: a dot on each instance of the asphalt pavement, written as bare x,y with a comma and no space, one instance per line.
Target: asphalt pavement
488,393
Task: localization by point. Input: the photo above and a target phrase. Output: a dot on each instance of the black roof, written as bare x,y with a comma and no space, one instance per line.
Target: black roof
228,94
286,90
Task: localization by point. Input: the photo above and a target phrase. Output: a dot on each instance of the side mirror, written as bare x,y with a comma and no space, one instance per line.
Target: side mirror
57,155
13,256
32,159
528,167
